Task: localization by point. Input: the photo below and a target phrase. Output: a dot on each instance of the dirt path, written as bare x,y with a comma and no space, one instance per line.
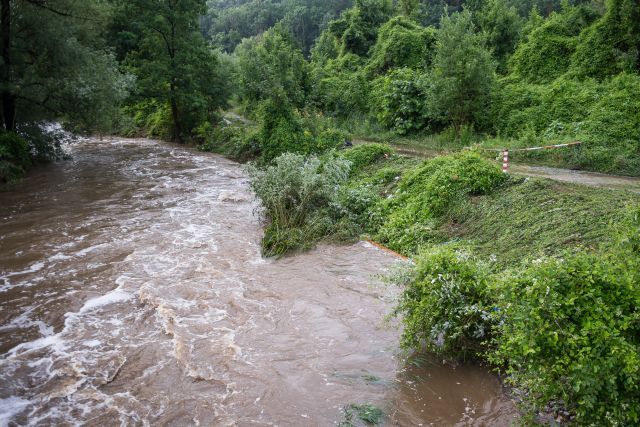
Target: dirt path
591,179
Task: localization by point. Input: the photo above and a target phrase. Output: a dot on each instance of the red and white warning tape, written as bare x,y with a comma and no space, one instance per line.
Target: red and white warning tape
505,151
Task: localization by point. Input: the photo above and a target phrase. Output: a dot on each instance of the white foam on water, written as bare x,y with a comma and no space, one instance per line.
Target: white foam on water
115,296
9,407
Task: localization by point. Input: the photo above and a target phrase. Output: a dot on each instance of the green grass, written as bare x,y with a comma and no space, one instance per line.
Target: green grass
522,218
534,217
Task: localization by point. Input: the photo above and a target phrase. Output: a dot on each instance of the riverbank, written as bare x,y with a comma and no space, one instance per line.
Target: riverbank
479,238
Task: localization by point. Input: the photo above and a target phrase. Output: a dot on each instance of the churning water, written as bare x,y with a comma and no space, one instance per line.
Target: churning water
132,292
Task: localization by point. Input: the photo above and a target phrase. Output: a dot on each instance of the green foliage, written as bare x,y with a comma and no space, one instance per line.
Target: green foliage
283,129
364,155
610,46
409,8
15,157
463,73
150,118
446,303
356,30
271,65
340,93
173,64
368,413
426,193
604,115
546,51
501,26
280,129
400,100
236,142
297,195
570,331
227,23
402,43
55,66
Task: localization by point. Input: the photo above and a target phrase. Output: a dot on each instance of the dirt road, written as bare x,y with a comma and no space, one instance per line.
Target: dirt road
591,179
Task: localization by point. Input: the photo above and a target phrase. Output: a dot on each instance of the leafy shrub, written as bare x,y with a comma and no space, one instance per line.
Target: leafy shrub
357,28
399,100
446,302
15,157
272,64
604,115
463,74
426,192
340,93
297,195
609,46
151,118
363,155
546,52
285,130
571,332
235,142
402,43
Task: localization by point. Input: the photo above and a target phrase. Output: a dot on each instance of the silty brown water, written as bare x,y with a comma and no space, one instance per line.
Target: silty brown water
132,292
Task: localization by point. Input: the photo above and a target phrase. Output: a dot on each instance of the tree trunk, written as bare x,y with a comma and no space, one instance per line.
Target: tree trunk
8,97
177,127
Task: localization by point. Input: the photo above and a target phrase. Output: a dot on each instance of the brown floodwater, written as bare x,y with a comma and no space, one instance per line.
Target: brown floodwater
132,292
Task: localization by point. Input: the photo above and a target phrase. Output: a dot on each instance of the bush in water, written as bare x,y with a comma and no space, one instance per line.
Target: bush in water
446,304
298,195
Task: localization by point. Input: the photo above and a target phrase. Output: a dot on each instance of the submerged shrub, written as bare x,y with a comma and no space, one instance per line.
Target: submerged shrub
446,304
297,195
234,141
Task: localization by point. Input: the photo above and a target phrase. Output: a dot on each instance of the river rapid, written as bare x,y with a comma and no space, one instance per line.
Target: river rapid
133,292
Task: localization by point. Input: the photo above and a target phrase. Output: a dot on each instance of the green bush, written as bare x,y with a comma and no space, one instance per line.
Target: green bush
399,100
363,155
609,46
235,142
446,303
151,118
298,195
402,43
571,332
285,130
426,192
545,54
15,157
340,93
463,75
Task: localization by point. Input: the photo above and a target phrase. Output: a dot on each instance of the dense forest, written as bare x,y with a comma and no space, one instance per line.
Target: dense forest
455,73
539,280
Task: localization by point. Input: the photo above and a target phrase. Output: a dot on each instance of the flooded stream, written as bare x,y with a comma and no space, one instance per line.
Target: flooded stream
132,292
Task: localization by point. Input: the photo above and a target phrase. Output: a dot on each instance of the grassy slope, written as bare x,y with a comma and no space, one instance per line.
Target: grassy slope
522,219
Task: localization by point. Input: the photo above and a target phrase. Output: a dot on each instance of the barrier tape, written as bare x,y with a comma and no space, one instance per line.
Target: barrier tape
505,151
546,147
384,248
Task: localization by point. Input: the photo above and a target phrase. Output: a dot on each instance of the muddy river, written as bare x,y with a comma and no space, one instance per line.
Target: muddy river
132,292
